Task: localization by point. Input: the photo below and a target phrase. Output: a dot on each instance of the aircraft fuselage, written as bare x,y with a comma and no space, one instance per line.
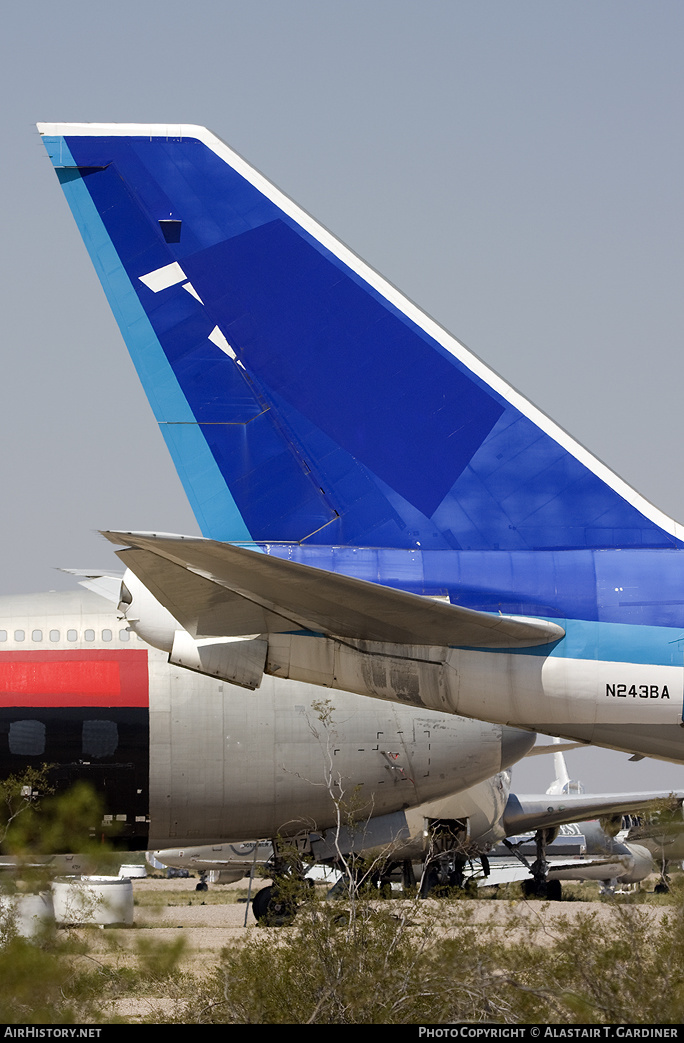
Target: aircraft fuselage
616,678
183,758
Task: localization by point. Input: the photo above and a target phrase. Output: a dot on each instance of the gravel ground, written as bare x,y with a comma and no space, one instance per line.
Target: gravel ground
208,924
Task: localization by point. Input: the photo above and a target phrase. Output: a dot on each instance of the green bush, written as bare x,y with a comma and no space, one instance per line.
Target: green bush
406,963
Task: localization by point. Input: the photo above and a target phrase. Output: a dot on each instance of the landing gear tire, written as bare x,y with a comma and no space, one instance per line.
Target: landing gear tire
430,882
554,890
456,877
534,889
551,890
272,910
202,886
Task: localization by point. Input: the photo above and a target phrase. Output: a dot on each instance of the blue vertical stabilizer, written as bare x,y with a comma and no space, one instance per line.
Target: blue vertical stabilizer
302,398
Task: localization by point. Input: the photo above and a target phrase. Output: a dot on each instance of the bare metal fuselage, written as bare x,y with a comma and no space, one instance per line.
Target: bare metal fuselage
184,758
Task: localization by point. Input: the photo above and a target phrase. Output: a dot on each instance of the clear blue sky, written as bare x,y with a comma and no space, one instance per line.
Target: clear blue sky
515,168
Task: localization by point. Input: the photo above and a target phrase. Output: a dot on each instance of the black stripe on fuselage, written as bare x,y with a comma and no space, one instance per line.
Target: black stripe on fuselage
107,747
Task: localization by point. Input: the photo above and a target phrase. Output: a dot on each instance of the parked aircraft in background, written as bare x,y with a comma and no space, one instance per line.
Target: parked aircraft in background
580,852
460,837
426,535
203,762
597,846
182,758
663,837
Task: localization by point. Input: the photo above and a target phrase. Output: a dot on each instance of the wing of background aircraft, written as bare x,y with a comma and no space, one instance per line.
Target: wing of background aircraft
587,848
526,813
509,870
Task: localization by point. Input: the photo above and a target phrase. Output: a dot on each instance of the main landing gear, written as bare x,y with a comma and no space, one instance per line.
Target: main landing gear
539,886
444,869
277,904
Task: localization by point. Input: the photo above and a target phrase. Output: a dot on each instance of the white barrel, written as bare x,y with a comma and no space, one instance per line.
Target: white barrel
28,916
133,872
93,900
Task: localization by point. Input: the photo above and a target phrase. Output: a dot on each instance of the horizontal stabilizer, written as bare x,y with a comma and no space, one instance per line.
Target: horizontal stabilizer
106,584
562,747
218,590
205,608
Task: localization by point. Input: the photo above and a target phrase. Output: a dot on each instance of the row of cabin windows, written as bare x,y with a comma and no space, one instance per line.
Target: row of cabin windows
98,738
71,635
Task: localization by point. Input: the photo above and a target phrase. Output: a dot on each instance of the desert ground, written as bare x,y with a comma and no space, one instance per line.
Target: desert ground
166,910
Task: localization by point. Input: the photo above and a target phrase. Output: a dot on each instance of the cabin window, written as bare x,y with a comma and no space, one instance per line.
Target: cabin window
100,738
19,635
36,635
124,635
54,635
3,635
72,635
27,738
106,635
89,635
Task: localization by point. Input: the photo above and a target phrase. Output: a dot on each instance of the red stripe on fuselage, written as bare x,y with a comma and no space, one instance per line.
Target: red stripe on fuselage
78,677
